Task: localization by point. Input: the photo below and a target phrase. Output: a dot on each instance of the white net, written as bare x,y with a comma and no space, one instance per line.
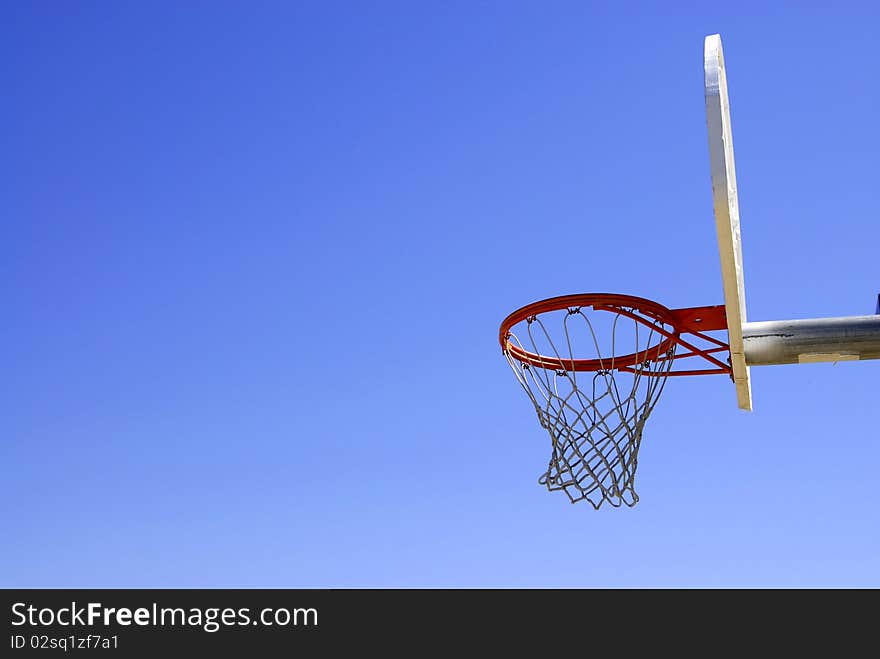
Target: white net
595,418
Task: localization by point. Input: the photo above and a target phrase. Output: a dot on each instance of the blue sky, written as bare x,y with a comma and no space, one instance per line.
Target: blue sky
256,256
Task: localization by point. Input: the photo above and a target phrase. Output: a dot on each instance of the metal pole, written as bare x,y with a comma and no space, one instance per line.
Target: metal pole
812,340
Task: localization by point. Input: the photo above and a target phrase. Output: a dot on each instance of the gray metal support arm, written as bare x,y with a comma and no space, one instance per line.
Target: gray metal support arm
812,340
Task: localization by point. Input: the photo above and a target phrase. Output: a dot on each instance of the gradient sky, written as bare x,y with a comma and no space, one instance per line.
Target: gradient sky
256,256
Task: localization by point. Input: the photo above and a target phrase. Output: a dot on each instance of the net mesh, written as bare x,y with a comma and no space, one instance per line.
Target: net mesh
595,419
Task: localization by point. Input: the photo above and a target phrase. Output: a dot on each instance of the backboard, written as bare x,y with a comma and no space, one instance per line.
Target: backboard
724,198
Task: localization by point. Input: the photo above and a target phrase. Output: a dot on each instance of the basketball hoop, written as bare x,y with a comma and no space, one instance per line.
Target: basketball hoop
592,394
594,365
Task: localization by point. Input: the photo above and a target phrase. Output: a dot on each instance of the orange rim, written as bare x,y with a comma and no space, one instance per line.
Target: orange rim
625,305
693,321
